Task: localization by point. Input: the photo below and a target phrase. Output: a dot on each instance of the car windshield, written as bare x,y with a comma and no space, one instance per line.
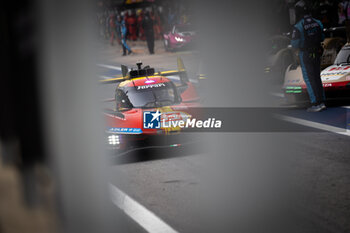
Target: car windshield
343,57
151,96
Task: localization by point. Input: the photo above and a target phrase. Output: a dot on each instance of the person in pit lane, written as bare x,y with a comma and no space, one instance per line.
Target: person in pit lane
147,25
307,37
124,32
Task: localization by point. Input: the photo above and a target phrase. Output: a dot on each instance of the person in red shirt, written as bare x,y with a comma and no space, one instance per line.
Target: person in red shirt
141,31
156,27
131,24
112,27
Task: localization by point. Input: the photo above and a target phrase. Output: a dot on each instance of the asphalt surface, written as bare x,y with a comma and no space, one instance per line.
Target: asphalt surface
200,188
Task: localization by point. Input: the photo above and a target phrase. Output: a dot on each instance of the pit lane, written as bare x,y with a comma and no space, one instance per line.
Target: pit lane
170,185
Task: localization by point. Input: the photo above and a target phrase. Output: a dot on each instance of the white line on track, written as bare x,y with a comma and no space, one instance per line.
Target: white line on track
316,125
144,217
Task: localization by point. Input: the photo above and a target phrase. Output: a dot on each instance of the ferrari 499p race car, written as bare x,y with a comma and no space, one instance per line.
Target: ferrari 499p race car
148,107
181,36
335,79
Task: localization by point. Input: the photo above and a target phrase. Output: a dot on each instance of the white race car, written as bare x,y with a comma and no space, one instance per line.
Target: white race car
335,79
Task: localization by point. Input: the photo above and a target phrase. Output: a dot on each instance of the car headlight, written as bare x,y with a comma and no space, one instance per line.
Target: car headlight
179,39
113,139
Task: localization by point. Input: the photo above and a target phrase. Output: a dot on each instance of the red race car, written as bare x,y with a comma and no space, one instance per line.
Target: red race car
181,36
149,107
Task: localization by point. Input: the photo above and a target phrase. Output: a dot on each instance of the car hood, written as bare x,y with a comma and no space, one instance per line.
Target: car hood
331,75
336,73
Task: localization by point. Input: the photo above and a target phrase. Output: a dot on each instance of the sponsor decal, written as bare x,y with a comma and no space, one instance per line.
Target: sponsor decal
124,130
149,81
312,25
331,74
293,81
150,86
335,72
339,68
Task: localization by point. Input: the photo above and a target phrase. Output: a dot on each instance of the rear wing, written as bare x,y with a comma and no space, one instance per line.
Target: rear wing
181,71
